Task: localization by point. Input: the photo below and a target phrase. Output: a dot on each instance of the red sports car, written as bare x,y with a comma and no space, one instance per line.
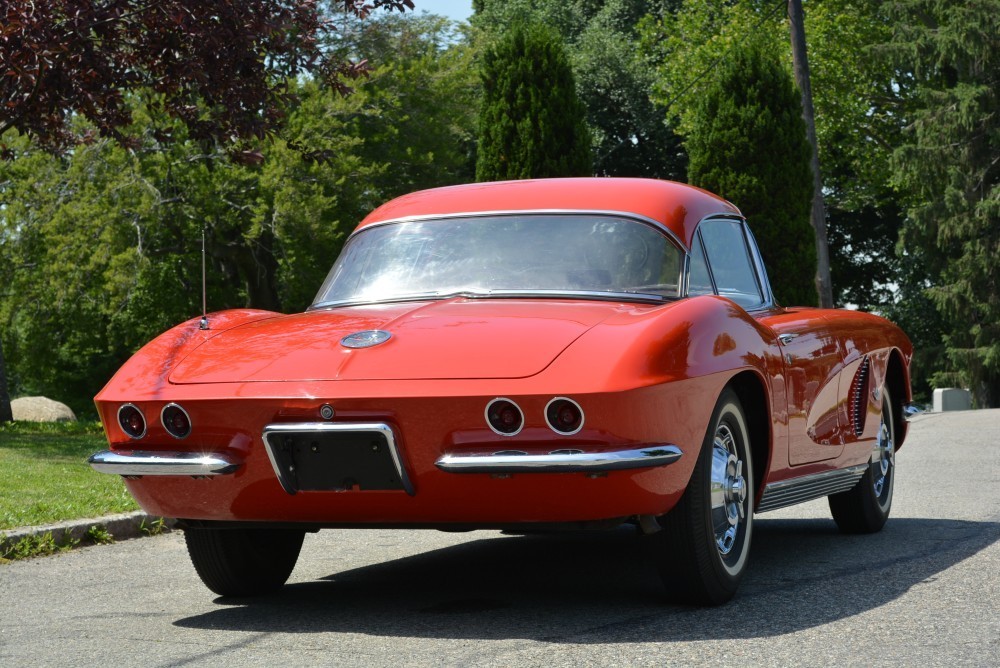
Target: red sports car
526,355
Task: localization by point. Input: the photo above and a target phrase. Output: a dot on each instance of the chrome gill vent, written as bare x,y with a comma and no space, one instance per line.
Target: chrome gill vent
859,396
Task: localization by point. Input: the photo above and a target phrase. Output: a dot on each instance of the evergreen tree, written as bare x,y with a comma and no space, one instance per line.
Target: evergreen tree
857,95
748,144
628,134
531,123
949,172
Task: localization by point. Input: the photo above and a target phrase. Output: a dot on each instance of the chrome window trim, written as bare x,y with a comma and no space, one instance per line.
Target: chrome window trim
327,427
762,278
570,294
644,297
652,222
708,265
756,261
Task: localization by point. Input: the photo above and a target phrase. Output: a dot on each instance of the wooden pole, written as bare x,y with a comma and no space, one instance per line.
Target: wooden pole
800,65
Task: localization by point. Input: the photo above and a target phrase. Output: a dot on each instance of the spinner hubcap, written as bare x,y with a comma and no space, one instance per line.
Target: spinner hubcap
728,490
883,457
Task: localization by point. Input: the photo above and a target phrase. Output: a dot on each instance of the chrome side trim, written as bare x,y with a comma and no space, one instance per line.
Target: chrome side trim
560,461
139,463
815,486
326,428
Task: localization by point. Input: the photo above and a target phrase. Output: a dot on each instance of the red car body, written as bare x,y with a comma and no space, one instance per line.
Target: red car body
645,374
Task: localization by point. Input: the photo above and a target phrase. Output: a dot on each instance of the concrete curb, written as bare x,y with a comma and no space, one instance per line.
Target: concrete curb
72,532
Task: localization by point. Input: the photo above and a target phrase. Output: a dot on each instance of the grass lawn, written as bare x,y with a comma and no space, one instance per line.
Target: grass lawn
45,478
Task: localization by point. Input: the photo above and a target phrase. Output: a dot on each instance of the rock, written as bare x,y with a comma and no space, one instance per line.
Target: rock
40,409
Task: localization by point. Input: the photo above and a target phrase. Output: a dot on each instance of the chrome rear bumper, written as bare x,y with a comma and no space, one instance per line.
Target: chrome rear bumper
560,461
161,463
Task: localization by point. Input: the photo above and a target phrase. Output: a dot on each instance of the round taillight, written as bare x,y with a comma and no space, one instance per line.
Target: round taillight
504,417
175,420
564,416
132,421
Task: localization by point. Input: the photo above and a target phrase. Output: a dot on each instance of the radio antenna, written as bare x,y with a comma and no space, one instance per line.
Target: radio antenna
204,300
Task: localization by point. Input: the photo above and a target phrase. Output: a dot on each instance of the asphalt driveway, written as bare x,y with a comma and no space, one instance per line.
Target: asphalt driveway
925,591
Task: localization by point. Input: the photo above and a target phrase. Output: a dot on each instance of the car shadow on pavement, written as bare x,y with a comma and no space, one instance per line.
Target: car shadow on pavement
604,588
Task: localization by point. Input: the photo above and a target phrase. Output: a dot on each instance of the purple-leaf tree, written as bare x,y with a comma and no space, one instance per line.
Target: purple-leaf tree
219,66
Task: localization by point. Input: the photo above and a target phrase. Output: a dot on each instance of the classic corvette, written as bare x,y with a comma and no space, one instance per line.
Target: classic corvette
527,356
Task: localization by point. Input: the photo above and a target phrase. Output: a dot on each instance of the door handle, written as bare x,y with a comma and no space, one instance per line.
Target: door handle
787,338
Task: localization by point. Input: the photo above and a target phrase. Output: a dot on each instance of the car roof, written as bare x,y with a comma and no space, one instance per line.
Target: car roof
676,206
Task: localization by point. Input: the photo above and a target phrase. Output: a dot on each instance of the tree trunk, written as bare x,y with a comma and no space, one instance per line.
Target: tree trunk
800,64
259,269
6,415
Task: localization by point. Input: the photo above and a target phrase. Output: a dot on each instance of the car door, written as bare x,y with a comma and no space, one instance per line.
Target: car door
812,364
725,261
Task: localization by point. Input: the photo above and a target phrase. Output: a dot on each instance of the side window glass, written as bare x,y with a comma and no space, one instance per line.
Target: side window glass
699,283
732,267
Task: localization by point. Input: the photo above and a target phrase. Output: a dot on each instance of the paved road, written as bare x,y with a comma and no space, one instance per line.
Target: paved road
923,592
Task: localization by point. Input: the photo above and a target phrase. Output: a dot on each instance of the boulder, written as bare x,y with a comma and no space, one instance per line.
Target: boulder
40,409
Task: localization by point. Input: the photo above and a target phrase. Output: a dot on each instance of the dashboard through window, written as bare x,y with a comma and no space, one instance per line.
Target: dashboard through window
570,254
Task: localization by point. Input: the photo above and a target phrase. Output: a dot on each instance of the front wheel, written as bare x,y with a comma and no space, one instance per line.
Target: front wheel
865,507
702,551
243,562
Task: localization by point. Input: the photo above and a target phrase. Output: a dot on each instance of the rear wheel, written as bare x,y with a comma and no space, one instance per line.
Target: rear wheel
702,551
865,507
243,562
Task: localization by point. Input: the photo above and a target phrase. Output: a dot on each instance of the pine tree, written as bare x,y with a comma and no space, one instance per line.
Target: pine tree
629,135
531,123
748,144
949,172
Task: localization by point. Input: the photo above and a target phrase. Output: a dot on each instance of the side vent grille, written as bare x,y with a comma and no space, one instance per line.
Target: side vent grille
858,397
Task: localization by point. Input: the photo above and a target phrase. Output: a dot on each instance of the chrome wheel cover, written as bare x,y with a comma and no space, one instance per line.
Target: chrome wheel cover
883,459
728,489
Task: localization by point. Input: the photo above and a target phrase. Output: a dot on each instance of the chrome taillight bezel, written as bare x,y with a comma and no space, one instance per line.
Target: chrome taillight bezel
121,424
489,422
549,421
166,426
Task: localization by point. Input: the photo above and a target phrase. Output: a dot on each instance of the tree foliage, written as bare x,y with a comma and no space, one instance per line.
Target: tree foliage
857,97
100,247
218,67
747,143
629,135
531,122
948,168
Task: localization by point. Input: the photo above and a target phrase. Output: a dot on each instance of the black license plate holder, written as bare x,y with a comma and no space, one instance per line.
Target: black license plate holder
340,461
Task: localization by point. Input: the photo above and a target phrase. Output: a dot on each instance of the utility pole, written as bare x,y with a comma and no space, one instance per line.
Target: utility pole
800,65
